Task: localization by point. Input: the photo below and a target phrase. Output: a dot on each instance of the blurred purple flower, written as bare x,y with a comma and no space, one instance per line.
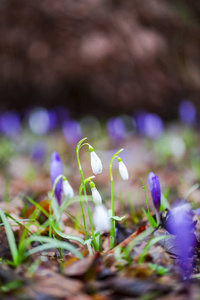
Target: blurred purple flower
187,112
149,125
72,131
197,211
55,171
38,152
154,185
182,227
53,119
179,207
116,128
10,124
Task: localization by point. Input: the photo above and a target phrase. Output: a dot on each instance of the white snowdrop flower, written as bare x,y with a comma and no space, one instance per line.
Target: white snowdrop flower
101,219
95,194
123,169
96,163
67,189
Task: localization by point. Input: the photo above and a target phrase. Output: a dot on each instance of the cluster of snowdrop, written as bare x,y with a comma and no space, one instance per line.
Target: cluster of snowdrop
101,220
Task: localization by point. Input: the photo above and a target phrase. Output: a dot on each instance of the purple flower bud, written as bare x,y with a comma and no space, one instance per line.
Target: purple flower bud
187,112
154,185
55,171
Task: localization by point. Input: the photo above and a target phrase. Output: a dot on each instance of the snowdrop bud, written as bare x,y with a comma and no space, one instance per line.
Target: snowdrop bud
101,219
123,169
67,189
95,194
96,163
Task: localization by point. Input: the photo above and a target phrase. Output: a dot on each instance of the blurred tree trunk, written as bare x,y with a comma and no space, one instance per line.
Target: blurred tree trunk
100,56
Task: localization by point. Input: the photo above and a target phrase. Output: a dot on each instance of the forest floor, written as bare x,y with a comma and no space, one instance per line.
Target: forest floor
139,266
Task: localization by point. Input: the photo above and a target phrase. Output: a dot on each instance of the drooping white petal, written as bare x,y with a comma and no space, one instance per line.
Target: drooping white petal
96,196
96,163
67,189
123,170
101,219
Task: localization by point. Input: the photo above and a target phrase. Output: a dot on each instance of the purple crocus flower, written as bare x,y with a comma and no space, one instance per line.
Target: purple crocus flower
183,227
187,112
179,207
154,185
149,125
116,128
72,132
10,124
55,171
197,211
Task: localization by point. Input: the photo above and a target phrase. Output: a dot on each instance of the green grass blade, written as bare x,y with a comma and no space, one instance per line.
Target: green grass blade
37,205
149,217
138,239
191,190
51,243
151,243
10,237
17,222
164,203
72,238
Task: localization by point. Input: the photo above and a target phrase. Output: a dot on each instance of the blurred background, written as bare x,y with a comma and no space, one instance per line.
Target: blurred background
123,73
100,57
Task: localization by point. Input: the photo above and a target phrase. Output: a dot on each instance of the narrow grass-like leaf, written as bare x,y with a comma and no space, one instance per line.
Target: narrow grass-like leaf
77,200
160,270
191,190
138,239
116,218
151,243
17,222
38,206
88,243
149,217
72,238
10,237
51,243
164,203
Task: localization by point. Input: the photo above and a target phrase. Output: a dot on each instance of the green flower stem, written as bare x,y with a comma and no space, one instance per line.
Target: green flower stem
112,231
81,204
51,200
83,214
145,193
78,147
